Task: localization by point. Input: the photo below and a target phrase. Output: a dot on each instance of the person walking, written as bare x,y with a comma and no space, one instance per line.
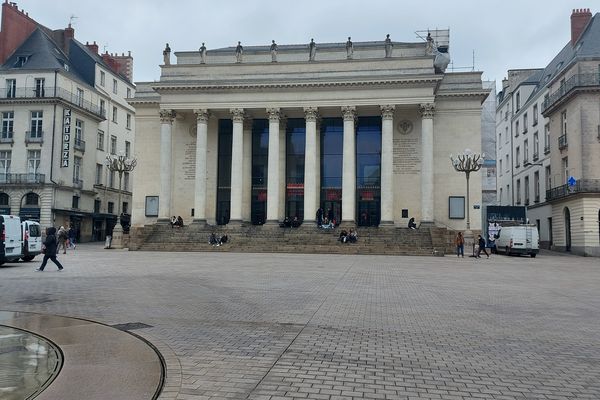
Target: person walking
481,242
72,236
50,250
62,240
460,245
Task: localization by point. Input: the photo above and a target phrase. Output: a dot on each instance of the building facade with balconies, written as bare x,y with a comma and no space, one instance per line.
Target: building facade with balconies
62,109
555,137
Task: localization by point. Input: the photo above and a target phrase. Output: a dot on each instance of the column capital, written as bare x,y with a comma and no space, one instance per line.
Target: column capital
202,115
427,110
274,114
167,116
349,113
237,114
311,114
387,111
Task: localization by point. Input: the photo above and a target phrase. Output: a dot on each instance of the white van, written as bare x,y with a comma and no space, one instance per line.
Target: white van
521,239
10,238
31,235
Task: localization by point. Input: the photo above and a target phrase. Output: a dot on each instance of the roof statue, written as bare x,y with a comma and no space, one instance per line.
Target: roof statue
202,54
167,55
239,50
349,49
312,50
273,50
388,46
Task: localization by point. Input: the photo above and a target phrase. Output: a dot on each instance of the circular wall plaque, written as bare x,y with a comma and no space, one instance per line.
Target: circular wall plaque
405,127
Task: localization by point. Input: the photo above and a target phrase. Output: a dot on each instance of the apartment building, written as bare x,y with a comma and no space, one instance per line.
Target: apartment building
63,108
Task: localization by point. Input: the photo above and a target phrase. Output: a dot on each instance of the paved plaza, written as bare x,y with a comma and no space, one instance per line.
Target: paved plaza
275,326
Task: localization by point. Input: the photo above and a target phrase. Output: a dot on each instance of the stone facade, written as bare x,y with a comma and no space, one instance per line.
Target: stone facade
424,115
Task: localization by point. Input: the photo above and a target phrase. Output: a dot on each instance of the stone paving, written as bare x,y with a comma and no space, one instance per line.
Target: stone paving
283,326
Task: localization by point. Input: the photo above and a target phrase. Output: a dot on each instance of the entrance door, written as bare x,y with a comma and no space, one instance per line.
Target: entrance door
336,206
368,213
567,229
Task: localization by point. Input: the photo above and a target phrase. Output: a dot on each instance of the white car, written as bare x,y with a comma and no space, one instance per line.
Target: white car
31,235
521,239
10,239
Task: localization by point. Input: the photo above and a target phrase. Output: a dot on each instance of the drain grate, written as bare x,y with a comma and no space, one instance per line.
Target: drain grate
31,300
130,326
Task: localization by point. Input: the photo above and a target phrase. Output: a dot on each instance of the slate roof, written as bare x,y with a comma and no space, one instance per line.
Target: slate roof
43,54
587,46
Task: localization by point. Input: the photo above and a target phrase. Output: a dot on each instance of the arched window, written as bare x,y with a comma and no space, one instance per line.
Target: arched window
4,199
32,199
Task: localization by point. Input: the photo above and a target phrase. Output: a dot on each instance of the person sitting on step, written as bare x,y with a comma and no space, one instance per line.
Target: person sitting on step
343,236
352,236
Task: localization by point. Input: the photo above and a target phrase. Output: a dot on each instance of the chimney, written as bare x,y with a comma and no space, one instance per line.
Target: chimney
504,83
93,47
579,20
68,34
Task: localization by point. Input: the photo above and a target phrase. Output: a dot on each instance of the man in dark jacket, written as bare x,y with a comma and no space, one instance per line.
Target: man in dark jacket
50,250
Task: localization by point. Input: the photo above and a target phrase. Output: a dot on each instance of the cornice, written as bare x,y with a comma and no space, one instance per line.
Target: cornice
165,86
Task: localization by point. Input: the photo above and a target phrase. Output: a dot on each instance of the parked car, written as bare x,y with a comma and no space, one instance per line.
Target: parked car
520,239
31,235
10,239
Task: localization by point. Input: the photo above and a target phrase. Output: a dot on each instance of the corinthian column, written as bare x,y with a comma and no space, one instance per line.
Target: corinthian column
273,167
201,147
237,172
349,166
166,125
387,168
311,165
427,111
247,166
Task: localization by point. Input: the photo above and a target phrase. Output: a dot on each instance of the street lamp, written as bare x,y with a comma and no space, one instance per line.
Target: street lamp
119,163
468,162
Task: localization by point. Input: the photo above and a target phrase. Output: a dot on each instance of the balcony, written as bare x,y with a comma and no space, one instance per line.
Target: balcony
34,137
562,142
547,149
80,145
19,179
6,137
50,93
573,83
536,155
582,186
77,183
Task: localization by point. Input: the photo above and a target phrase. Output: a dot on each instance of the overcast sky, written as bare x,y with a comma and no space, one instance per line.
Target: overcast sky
503,34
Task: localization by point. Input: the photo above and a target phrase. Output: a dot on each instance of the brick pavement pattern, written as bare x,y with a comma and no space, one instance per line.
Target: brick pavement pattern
334,327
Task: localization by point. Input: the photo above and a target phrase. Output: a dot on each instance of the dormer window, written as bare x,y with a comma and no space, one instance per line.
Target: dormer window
21,60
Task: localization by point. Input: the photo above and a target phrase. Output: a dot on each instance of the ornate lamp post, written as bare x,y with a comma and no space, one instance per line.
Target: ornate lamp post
119,164
468,162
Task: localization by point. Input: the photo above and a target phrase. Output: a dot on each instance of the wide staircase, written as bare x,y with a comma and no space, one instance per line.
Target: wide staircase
426,241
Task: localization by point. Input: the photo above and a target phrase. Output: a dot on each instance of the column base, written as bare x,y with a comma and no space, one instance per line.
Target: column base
163,221
234,223
199,222
347,224
386,224
426,224
271,223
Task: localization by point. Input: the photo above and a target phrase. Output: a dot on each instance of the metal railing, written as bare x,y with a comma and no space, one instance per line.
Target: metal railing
7,138
50,92
546,149
562,142
80,145
581,186
77,183
22,178
536,156
34,137
578,80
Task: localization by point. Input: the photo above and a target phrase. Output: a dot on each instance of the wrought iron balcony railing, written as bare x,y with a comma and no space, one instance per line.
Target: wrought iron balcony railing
50,92
581,186
17,179
77,183
34,137
80,145
562,142
574,82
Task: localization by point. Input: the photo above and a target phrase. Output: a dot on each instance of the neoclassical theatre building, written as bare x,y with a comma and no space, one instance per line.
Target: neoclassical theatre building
251,135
